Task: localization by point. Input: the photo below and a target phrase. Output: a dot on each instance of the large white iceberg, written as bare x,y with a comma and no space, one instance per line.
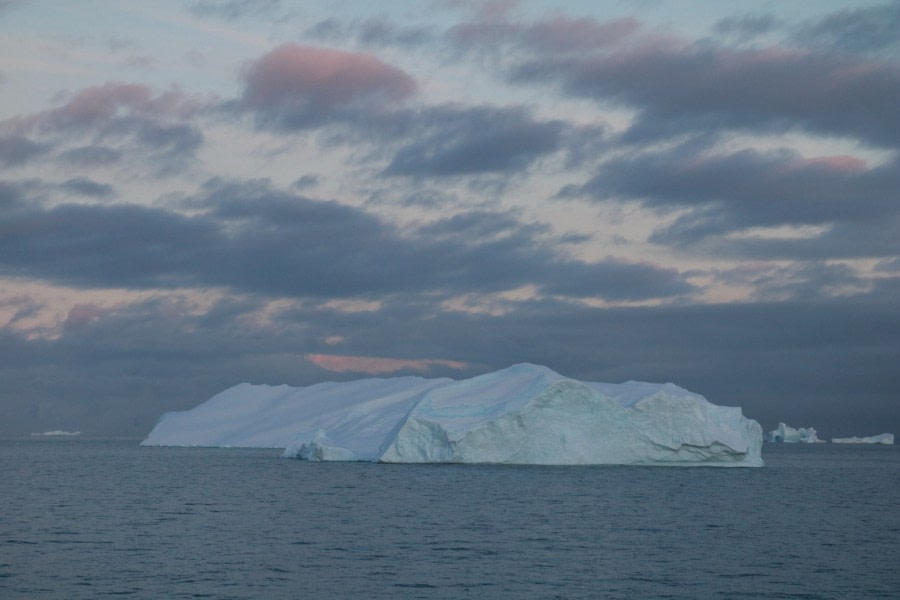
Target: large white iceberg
788,435
883,438
525,414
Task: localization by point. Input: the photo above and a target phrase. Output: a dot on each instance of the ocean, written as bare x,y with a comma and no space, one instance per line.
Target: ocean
94,518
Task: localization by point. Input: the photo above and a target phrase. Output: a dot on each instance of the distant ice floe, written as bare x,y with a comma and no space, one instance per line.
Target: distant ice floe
883,438
525,414
57,432
788,435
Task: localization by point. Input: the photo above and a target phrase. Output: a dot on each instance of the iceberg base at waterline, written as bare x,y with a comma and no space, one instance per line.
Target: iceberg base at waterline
525,414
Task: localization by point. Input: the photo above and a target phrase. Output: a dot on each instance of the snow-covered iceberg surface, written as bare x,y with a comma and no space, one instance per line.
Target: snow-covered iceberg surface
525,414
334,421
883,438
58,433
788,435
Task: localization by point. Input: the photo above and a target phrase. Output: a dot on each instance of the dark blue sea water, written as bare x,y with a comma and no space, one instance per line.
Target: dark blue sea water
83,518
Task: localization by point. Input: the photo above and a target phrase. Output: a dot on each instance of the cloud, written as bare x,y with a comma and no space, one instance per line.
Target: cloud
799,281
377,365
91,156
616,279
250,236
373,32
745,27
297,87
82,315
456,141
233,9
84,186
115,119
17,150
727,193
10,5
678,87
864,29
110,108
559,34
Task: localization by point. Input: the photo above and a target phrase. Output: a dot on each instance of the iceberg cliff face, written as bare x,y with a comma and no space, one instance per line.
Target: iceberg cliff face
525,414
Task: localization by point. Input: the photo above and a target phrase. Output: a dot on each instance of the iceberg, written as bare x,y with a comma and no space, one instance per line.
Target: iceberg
525,414
883,438
788,435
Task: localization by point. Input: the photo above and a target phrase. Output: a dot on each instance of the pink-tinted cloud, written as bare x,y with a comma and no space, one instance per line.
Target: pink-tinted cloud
100,105
296,86
111,121
81,315
841,164
375,365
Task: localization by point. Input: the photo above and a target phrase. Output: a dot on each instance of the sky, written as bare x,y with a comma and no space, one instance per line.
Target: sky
195,194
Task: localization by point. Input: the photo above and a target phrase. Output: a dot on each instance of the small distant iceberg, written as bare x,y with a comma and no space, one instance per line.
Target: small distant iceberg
57,433
884,438
785,434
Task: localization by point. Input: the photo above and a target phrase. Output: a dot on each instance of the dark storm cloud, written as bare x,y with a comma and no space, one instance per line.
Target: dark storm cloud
252,237
298,87
864,29
681,88
454,141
